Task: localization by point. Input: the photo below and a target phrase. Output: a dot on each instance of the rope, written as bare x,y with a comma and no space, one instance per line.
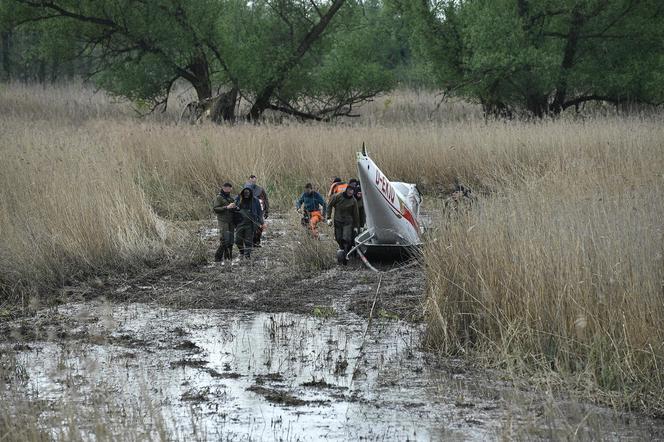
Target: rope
364,335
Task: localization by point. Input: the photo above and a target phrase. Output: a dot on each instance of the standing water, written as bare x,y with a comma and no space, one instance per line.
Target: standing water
229,375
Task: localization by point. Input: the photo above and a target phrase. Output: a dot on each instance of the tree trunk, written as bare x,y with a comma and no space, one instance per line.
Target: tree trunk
223,108
265,95
6,60
41,72
576,23
201,78
537,104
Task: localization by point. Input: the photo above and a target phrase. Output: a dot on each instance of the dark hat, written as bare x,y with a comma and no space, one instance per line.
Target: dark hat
308,186
336,179
353,182
227,184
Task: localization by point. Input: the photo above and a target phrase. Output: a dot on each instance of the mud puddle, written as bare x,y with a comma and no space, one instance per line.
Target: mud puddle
239,375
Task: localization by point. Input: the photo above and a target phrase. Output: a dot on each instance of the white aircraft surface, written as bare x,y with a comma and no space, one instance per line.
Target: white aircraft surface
392,209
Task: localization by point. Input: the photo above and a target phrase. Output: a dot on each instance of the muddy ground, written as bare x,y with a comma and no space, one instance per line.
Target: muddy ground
269,349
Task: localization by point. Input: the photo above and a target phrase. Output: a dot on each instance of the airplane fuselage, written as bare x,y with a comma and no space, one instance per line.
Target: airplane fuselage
390,207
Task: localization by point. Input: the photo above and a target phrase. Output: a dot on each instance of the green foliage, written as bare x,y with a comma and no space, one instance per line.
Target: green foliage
324,311
138,49
542,56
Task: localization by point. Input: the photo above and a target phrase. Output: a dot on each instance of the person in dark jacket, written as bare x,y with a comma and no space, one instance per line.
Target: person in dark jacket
251,218
346,221
314,208
224,206
360,202
261,194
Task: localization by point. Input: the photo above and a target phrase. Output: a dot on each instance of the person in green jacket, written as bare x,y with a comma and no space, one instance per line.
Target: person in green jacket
346,221
224,206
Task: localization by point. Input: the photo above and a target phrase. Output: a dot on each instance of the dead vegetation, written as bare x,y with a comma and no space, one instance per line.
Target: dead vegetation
559,271
556,269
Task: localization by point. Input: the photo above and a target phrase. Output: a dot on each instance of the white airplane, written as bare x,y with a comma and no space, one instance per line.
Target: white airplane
392,209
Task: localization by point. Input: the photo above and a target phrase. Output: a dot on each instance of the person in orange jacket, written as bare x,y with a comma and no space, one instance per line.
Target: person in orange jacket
337,186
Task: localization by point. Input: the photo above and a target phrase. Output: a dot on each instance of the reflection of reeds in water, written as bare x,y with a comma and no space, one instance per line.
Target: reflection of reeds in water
78,414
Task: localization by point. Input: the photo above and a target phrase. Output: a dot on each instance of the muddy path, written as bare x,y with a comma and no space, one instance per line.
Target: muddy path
265,351
272,281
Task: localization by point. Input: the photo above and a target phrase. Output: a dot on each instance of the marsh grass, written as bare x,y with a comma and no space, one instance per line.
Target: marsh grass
561,271
309,254
556,268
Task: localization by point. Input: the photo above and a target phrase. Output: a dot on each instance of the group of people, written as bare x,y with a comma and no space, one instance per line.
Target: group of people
241,219
345,200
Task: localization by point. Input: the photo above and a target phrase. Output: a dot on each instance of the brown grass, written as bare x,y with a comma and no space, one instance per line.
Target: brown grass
558,265
561,269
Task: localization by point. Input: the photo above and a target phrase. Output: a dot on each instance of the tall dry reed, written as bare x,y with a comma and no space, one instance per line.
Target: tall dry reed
561,269
69,207
558,263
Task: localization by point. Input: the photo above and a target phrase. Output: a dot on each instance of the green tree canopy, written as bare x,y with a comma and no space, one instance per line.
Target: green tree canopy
309,58
543,56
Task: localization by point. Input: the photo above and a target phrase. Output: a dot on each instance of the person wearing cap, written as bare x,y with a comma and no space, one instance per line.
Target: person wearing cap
224,206
260,193
314,207
337,186
346,221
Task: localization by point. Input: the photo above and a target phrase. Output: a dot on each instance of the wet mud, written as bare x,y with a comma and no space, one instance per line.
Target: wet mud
262,351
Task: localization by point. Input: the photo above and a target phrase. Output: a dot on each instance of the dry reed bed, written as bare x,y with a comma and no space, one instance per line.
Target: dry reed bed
562,270
558,264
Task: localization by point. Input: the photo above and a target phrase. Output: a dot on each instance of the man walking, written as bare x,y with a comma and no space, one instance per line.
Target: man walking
346,221
251,218
313,202
224,206
260,193
360,202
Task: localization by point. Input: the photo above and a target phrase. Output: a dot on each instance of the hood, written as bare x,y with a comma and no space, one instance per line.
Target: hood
251,192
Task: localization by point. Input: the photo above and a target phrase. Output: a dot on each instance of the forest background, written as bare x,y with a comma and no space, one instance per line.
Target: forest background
548,110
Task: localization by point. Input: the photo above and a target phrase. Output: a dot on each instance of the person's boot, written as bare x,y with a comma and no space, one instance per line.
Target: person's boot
238,258
219,254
